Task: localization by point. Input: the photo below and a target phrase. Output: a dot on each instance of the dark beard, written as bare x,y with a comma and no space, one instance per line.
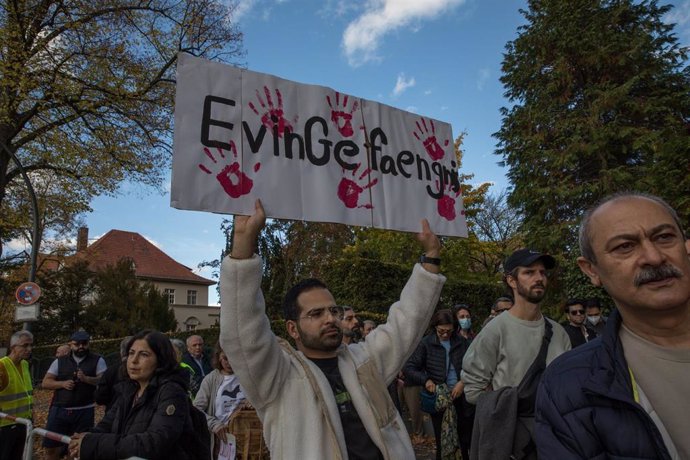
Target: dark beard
528,295
318,343
80,353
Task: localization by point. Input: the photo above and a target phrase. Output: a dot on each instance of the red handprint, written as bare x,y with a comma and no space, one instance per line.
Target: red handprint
349,190
428,139
273,116
234,182
340,118
446,203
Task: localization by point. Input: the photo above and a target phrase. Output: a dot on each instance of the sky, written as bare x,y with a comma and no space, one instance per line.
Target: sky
437,58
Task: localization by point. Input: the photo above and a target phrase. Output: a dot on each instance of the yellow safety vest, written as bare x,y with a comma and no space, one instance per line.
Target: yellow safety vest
17,397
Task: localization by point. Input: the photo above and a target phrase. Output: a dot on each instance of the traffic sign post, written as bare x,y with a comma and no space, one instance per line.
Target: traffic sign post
28,293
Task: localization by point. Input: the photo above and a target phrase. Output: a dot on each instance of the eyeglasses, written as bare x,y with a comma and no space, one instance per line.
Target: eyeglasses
577,312
442,331
317,313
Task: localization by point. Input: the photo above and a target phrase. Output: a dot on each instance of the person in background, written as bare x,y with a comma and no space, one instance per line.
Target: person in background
576,327
595,319
350,325
464,409
504,363
74,378
197,360
500,305
367,326
16,394
219,396
436,365
107,390
152,414
194,383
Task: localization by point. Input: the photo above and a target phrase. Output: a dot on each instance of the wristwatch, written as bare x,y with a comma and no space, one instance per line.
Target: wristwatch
429,260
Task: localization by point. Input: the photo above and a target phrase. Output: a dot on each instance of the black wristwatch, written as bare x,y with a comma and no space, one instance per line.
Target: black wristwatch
429,260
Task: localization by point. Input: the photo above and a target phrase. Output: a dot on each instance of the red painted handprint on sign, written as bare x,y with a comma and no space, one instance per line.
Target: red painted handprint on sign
273,116
428,139
349,190
341,118
234,182
446,204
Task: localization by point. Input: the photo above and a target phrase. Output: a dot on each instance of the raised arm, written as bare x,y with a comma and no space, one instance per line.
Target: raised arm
245,331
390,344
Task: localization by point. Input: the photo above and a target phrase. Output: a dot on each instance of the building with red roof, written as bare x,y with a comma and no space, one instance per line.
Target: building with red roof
187,292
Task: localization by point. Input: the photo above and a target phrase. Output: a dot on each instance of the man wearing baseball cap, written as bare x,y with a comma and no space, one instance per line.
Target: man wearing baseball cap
74,378
503,365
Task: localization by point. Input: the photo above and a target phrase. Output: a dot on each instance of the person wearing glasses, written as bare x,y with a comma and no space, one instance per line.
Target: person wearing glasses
576,326
323,400
436,365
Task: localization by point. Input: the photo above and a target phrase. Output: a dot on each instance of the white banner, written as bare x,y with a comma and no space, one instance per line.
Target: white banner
309,153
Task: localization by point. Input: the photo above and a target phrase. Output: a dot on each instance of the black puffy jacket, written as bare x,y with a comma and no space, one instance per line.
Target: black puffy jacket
150,429
429,359
586,409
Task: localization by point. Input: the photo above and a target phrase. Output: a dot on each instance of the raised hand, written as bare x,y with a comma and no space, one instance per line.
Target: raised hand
246,231
429,241
426,134
234,182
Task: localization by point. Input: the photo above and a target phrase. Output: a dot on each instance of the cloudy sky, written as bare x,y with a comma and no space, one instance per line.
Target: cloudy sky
437,58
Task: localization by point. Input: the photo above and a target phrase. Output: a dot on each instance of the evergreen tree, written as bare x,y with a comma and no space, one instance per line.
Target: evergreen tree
601,101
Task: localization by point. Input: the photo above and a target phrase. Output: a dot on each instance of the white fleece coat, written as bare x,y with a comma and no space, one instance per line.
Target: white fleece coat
292,396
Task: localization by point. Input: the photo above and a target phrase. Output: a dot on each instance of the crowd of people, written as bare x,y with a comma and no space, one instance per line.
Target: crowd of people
522,386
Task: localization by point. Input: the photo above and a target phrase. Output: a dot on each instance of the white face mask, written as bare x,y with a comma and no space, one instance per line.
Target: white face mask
594,319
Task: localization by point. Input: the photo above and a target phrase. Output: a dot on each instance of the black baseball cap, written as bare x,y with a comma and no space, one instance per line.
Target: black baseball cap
526,257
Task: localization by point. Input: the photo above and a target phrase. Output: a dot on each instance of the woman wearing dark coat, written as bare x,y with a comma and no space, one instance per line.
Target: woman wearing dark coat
429,367
150,417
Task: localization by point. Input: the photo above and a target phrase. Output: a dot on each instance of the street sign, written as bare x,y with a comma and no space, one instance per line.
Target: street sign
28,293
25,313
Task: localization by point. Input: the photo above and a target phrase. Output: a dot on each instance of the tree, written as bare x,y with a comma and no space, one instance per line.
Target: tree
496,233
66,294
123,305
86,95
601,104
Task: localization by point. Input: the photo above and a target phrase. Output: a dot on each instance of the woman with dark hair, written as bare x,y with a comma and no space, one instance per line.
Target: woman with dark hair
436,365
219,396
152,413
464,317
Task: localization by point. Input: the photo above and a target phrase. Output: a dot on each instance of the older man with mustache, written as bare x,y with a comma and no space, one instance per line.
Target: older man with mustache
625,396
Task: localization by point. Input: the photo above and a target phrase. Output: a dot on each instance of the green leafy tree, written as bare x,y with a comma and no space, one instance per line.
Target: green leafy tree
86,95
601,103
123,305
65,295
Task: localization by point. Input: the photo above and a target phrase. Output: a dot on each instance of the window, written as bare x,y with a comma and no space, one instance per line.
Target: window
171,295
191,297
191,323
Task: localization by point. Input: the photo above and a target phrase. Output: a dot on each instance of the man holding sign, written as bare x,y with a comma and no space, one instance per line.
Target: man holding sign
325,399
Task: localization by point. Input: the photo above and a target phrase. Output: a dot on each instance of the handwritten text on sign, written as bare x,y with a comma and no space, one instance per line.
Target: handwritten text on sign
302,149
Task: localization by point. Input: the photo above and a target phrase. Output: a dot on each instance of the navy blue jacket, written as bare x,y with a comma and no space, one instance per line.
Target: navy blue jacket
586,409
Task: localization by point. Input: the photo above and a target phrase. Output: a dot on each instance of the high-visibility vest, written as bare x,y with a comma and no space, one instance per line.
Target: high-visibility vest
17,397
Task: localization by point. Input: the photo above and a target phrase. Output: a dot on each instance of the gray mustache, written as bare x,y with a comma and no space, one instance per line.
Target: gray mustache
650,274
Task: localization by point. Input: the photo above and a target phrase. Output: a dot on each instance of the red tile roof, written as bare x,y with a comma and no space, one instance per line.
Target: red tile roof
150,262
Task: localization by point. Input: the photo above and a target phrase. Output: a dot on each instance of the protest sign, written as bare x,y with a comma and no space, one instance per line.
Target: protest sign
309,153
